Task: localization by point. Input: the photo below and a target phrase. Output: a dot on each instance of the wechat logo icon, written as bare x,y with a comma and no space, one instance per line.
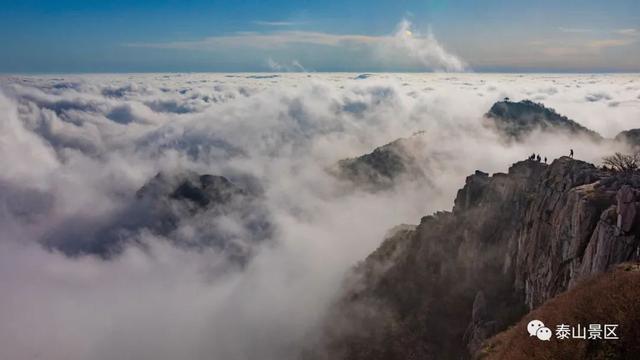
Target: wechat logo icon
536,328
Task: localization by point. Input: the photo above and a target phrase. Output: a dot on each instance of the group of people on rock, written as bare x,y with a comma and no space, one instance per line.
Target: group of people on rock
536,157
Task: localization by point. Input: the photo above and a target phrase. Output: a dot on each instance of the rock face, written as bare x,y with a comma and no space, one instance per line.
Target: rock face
511,242
188,209
516,120
381,168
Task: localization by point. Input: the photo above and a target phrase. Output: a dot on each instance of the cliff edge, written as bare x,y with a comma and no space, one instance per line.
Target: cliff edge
512,241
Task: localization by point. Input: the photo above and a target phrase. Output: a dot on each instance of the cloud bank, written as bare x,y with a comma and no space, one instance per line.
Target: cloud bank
76,149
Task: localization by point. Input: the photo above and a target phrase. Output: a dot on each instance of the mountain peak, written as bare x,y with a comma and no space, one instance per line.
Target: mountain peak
516,120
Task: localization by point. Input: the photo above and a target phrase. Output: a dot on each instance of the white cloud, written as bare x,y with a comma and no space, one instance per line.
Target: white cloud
425,49
628,32
68,165
405,47
291,66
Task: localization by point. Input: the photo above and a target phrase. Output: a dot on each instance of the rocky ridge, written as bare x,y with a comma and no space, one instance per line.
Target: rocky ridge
513,121
512,241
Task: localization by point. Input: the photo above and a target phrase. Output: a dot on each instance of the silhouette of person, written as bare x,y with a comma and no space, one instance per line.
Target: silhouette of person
545,159
538,158
571,152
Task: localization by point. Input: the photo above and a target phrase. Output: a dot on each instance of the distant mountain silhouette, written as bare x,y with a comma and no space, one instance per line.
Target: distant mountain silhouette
516,120
379,169
164,204
631,137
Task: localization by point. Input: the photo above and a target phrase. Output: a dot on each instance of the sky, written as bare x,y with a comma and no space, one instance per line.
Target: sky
39,36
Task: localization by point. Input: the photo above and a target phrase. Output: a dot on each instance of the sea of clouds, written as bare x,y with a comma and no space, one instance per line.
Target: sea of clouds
75,149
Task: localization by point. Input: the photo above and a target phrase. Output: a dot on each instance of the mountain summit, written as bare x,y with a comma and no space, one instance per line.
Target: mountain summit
515,120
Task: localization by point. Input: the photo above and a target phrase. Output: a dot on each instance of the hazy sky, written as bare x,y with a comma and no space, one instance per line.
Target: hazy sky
347,35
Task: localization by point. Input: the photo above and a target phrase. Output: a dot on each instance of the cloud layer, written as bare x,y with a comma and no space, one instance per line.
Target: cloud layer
75,149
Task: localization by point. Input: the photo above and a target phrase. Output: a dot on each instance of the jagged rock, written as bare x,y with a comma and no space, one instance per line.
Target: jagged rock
380,169
516,120
606,247
512,242
627,199
469,196
615,238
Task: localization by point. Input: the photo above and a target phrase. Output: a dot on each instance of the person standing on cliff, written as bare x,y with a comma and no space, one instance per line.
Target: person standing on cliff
571,153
